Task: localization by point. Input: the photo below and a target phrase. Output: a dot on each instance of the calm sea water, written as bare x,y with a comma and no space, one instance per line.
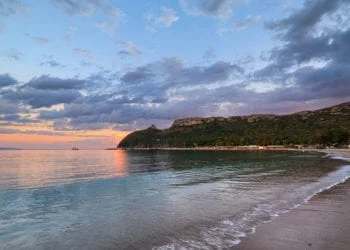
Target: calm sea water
151,199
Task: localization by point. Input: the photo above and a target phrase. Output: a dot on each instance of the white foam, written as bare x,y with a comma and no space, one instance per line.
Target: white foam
339,157
327,155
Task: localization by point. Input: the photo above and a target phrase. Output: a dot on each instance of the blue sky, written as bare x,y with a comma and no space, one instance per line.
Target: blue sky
106,66
187,37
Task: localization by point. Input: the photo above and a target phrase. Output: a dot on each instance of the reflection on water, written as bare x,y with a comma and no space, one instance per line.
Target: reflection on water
139,199
49,167
121,165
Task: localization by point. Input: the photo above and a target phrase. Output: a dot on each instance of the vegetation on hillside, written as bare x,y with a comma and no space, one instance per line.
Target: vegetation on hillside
325,127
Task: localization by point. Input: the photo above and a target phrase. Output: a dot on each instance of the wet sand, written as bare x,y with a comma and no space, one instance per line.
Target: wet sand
322,223
335,151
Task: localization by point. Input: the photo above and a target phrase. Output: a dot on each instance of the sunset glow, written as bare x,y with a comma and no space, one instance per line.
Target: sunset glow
86,140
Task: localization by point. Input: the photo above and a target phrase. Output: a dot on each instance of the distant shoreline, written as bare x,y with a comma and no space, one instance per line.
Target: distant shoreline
218,148
343,152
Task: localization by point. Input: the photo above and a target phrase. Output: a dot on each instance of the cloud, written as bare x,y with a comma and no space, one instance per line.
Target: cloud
246,22
6,80
173,71
86,7
245,60
11,54
42,40
223,30
70,32
209,54
148,92
82,52
9,8
168,89
86,63
45,91
241,24
46,82
142,73
52,63
308,45
108,28
16,118
8,131
301,22
8,107
165,19
28,131
38,98
287,5
309,64
214,8
129,48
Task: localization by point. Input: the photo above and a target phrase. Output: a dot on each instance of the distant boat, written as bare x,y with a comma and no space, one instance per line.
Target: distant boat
75,146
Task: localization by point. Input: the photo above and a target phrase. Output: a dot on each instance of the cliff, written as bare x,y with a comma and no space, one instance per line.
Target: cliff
196,121
329,126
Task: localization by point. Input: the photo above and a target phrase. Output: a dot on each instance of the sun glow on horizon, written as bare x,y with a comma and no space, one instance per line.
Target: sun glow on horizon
84,139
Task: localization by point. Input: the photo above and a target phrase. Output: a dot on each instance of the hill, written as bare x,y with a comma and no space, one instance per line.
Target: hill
328,126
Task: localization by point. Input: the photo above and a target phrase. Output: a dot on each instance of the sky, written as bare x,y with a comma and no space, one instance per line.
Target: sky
88,72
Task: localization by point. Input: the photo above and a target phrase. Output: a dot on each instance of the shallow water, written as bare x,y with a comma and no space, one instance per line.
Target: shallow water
151,199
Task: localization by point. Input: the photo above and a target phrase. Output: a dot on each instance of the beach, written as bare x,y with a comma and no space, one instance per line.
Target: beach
321,223
335,151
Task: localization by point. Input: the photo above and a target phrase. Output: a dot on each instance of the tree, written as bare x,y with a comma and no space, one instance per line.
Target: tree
340,137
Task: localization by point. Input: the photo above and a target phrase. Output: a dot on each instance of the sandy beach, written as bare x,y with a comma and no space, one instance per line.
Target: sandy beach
322,223
335,152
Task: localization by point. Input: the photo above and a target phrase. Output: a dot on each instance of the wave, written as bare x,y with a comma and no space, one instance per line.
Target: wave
229,232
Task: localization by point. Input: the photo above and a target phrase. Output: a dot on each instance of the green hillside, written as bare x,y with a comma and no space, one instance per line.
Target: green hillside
329,126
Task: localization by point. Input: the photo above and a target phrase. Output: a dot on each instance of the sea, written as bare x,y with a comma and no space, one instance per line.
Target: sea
152,199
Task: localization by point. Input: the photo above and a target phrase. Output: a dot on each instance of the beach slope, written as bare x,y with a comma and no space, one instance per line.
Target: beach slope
322,223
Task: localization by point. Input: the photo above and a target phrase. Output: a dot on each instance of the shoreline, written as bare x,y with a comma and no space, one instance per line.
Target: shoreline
322,222
219,148
339,152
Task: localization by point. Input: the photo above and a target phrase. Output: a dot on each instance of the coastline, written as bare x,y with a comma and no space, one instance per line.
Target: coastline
221,148
323,222
341,152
